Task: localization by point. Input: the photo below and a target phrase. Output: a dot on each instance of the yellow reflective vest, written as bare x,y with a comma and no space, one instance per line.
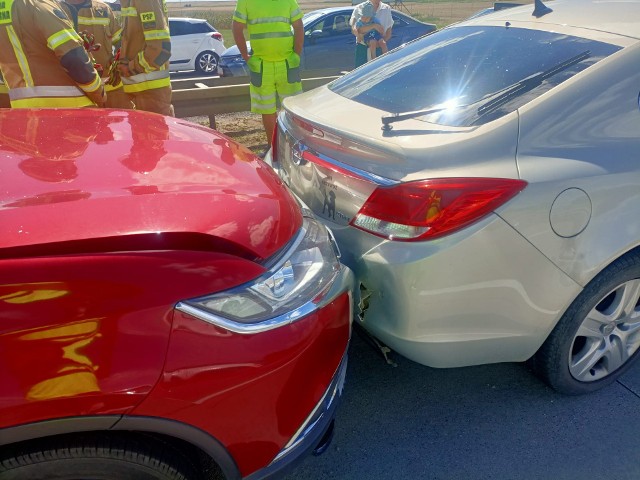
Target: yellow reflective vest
269,26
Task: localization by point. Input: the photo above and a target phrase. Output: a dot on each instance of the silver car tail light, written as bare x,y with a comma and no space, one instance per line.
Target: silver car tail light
428,209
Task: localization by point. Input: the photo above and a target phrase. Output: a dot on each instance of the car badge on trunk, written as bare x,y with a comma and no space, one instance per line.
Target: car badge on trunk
297,150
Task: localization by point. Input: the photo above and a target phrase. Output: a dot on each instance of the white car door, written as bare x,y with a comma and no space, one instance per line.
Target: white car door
184,45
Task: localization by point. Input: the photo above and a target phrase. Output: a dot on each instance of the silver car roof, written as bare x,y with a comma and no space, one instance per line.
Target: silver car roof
618,17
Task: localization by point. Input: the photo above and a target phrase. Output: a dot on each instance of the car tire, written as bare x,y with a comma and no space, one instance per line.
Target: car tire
207,63
598,337
95,456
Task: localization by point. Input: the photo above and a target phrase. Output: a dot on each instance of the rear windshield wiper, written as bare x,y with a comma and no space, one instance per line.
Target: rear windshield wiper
529,84
390,118
496,102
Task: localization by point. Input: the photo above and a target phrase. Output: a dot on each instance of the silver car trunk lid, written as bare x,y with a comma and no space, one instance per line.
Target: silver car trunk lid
332,152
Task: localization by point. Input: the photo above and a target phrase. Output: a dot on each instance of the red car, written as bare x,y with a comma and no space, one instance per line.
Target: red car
167,308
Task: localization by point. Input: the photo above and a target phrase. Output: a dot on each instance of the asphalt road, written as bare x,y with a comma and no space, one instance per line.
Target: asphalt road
486,422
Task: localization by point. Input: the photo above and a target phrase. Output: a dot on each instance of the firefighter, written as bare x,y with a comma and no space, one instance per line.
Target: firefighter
43,59
4,94
145,53
96,20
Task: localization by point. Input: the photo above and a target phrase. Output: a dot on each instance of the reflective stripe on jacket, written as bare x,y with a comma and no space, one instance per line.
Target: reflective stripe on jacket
146,81
147,43
41,73
38,97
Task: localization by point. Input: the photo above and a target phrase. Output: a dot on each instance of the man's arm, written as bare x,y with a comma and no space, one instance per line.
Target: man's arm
298,36
115,31
372,26
386,34
238,35
355,17
386,20
240,18
69,49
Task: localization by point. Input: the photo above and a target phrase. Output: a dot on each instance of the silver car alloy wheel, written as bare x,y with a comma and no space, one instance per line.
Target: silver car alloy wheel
609,335
207,62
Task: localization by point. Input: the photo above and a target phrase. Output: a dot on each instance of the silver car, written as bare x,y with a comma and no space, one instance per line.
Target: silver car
483,182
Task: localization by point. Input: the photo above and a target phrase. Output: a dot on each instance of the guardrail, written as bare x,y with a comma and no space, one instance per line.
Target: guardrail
211,96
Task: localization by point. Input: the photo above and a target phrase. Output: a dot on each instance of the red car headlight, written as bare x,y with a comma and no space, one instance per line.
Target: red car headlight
287,292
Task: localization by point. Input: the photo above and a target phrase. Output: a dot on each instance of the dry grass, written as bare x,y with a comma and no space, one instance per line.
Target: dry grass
245,128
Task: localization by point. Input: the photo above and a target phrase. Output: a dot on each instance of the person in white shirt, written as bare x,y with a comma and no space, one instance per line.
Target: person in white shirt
383,15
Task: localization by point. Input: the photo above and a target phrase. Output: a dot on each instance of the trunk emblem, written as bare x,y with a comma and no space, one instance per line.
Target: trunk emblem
297,149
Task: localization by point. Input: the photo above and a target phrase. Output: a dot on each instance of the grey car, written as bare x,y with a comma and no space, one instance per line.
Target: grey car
328,41
483,182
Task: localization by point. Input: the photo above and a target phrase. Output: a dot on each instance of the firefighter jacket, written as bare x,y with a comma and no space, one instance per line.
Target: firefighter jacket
4,94
146,45
98,20
43,59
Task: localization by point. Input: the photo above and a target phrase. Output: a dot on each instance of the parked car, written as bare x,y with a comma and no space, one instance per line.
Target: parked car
483,183
168,311
195,45
328,41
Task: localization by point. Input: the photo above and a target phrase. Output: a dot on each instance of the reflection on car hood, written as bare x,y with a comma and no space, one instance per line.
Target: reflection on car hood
89,174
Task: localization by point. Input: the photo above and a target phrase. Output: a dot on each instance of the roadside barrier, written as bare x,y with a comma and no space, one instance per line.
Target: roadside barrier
211,96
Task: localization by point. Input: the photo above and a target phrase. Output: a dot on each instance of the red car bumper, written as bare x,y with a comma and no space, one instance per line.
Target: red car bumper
266,399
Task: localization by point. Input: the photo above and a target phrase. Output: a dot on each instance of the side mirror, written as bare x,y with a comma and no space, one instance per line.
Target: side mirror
312,36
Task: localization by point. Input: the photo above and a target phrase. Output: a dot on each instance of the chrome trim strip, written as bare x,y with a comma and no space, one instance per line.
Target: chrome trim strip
249,328
317,414
342,281
371,177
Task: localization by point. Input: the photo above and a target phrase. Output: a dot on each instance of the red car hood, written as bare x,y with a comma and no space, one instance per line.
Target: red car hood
81,174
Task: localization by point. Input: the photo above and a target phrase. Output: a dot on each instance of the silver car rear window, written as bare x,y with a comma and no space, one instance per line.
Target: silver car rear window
470,75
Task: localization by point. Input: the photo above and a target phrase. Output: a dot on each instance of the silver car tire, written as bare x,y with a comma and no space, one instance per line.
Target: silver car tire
207,63
598,337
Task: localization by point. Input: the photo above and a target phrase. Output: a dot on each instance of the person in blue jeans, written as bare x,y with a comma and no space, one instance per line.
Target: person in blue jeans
372,37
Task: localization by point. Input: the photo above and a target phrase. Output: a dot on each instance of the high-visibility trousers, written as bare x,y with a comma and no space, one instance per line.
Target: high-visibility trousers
272,81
